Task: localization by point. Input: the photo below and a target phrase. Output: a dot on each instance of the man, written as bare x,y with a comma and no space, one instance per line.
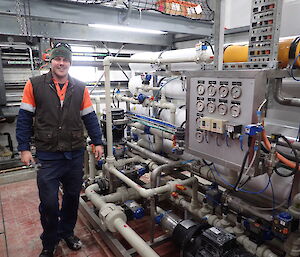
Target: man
58,104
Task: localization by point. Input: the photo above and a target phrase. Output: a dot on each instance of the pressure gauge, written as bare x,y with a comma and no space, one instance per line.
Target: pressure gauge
211,90
201,89
200,106
235,110
199,136
223,91
211,107
236,92
222,109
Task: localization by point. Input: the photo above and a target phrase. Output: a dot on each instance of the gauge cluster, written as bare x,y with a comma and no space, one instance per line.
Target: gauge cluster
220,97
217,101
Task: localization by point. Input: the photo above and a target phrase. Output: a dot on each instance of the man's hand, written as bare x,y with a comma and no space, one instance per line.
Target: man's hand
26,158
98,152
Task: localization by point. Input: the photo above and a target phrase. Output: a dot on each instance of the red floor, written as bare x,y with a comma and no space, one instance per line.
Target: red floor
20,226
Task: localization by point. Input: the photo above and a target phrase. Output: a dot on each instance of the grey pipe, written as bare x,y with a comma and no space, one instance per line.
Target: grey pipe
149,154
277,94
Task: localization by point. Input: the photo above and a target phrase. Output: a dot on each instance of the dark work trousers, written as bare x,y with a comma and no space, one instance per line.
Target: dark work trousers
58,222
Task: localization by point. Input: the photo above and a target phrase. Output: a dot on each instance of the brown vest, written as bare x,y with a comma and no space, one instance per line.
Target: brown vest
57,128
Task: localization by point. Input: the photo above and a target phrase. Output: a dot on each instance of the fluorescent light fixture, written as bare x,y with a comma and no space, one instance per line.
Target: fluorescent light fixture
125,28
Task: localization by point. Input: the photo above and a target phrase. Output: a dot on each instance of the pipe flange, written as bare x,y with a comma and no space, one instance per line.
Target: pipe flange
109,213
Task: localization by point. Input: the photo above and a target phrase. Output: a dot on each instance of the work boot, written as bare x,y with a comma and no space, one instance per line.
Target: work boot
73,242
46,253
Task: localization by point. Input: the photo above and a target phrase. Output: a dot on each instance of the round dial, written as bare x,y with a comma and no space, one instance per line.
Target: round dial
211,90
223,91
201,89
222,109
199,136
200,106
236,92
211,107
235,110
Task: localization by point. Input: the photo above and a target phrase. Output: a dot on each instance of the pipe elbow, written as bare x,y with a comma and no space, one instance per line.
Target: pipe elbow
107,61
90,190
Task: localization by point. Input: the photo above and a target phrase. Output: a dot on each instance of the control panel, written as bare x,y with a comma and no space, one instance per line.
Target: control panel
219,105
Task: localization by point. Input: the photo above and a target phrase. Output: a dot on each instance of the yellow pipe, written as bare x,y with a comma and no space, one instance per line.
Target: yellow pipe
288,50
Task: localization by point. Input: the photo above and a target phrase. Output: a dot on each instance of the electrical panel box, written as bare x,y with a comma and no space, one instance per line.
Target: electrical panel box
219,105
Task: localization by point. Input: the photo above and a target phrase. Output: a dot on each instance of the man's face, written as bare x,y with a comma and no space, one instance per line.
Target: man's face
60,66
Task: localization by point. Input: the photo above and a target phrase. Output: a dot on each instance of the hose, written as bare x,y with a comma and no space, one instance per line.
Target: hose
296,157
279,156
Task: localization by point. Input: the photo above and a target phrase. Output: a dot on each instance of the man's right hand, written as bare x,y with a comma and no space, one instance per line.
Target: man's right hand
26,158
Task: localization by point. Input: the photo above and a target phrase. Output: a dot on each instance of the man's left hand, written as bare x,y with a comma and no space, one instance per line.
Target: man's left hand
98,152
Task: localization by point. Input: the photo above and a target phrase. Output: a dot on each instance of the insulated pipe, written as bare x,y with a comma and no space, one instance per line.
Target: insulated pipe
149,154
277,94
134,239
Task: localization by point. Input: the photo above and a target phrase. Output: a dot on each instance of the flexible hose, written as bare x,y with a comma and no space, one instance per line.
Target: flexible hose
279,156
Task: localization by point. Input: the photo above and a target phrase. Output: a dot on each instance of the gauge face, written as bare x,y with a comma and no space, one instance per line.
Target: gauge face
222,109
201,89
235,110
236,92
223,91
211,107
199,136
211,90
200,106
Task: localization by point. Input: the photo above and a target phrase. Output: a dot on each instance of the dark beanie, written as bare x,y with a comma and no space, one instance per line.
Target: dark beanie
62,51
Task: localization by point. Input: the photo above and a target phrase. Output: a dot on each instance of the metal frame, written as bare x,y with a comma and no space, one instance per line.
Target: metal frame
261,16
67,20
2,85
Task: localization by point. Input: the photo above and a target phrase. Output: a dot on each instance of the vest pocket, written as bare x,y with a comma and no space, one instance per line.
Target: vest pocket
44,136
77,139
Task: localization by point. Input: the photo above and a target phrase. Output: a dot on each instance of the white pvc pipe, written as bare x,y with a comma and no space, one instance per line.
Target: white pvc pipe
106,63
146,193
139,128
147,102
129,234
181,55
134,239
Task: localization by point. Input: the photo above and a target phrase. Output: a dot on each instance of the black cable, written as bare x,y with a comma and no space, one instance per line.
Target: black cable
210,46
207,164
182,124
158,84
159,113
113,98
247,180
208,7
241,170
296,160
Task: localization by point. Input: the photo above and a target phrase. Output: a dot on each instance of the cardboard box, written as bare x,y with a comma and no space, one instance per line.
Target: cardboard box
179,8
